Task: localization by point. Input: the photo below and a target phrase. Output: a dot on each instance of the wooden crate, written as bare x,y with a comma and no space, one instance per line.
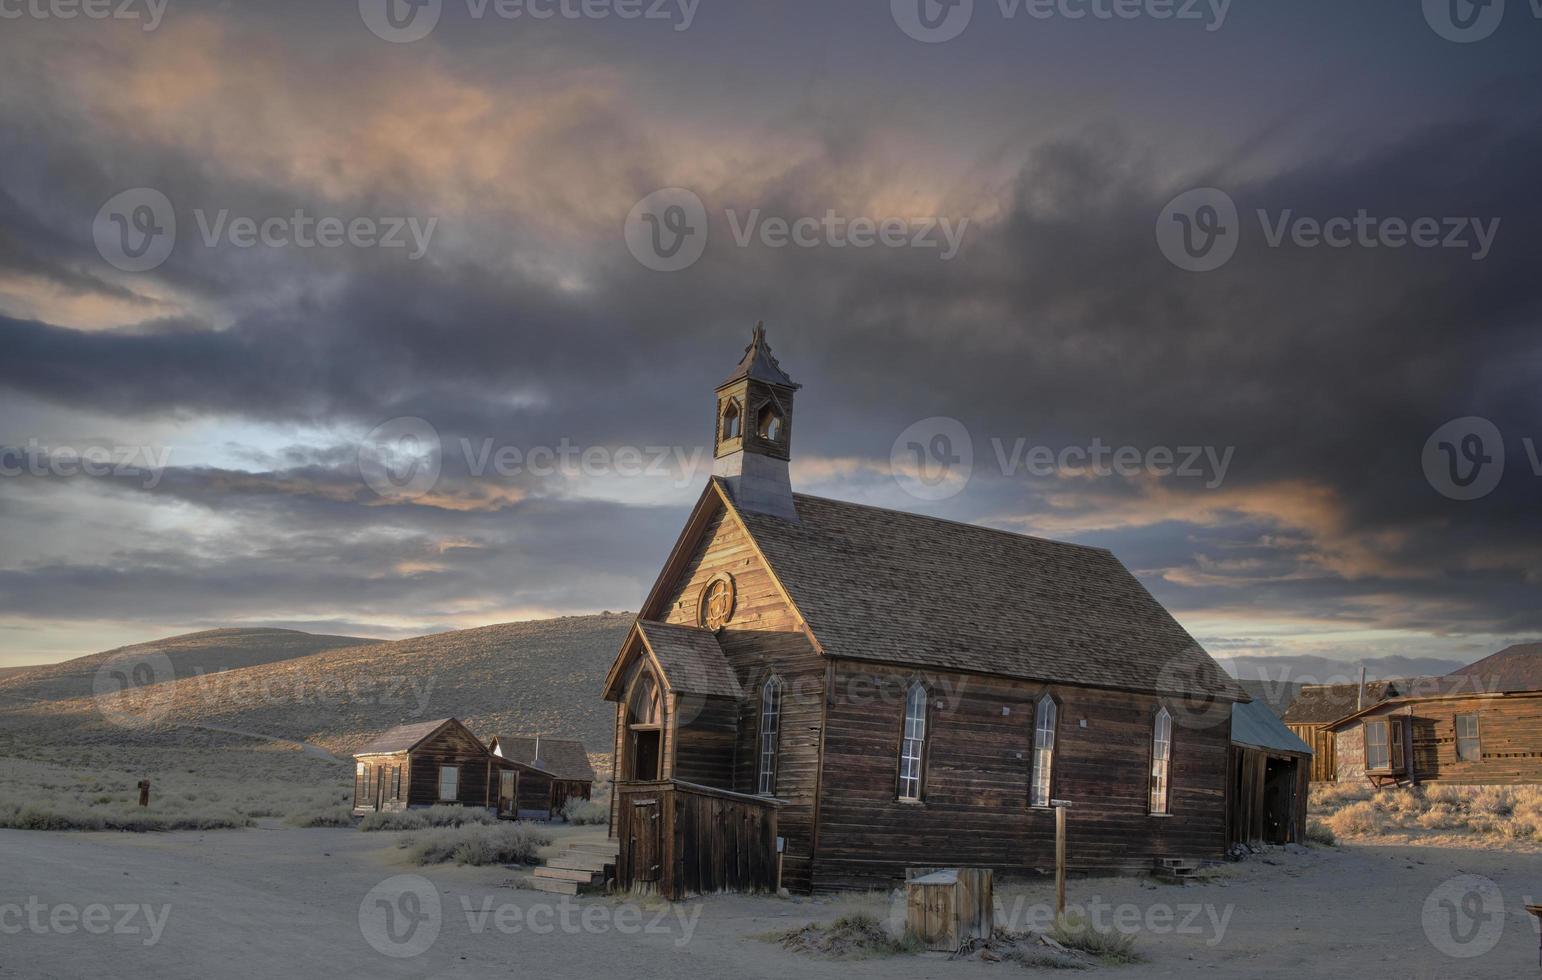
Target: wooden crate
947,908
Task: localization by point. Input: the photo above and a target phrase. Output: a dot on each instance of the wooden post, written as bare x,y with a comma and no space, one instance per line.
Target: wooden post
1060,808
781,850
144,792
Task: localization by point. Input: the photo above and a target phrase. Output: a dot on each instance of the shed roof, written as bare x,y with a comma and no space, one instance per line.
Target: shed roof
1254,725
403,738
692,660
885,585
564,758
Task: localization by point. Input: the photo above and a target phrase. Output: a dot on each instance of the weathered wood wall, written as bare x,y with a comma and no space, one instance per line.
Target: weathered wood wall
975,812
762,637
678,839
1253,802
1510,736
367,798
1320,738
449,747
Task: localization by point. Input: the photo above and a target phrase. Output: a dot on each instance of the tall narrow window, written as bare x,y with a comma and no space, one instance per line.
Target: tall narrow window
731,421
1378,754
1043,751
449,782
1468,748
360,784
770,734
913,746
1161,760
396,782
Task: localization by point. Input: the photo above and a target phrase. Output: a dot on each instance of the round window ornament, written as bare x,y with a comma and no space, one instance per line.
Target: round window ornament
716,605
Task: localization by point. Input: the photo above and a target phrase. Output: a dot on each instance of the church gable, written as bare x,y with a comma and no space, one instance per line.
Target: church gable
725,583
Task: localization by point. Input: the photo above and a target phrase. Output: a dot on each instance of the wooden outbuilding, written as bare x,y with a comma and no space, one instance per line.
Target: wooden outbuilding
1269,770
549,772
430,763
1480,725
1315,708
887,689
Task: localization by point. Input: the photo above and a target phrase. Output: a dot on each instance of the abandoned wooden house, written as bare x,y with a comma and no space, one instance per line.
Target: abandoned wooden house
547,771
1317,706
423,764
840,691
1269,770
1478,725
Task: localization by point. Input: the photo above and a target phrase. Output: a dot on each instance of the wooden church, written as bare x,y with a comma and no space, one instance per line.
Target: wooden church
821,694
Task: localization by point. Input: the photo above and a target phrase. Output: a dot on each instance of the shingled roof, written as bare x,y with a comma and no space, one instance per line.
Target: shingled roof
564,758
1512,670
692,661
402,738
884,585
1320,704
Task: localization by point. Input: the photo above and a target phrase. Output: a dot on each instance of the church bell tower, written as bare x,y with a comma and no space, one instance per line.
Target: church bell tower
753,438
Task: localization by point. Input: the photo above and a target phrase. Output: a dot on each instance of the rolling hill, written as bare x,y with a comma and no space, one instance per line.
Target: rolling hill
188,655
538,676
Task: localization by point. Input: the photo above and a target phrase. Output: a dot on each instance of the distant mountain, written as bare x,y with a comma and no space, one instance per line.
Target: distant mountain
514,678
188,655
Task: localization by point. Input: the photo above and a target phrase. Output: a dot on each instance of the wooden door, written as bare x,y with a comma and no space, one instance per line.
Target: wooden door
380,787
508,793
646,840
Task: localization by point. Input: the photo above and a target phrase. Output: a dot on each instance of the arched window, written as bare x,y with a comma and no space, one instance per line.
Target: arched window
769,425
913,745
770,734
731,421
644,709
1161,760
1043,751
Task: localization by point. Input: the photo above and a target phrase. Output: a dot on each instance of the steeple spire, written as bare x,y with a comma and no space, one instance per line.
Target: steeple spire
753,438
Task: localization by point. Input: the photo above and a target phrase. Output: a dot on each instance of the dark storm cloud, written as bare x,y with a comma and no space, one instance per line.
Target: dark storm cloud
1058,323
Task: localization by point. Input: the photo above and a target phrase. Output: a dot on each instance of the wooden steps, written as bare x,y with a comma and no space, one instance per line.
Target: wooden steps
583,867
1177,871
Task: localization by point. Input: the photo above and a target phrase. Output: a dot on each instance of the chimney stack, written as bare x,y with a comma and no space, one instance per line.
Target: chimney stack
1360,696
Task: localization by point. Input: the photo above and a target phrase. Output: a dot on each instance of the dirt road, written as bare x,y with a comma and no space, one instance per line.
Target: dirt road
277,901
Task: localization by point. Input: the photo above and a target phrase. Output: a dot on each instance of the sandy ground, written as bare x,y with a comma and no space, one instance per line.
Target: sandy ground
278,901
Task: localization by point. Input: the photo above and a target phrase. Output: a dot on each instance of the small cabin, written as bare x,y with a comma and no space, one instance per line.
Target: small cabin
550,771
1269,770
430,763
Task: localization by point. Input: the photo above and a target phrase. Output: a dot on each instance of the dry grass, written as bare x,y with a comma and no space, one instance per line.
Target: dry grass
426,818
1486,813
856,936
509,843
100,791
1111,948
585,812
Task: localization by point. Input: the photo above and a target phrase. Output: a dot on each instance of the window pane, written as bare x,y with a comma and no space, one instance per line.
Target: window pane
770,730
449,782
1043,752
913,745
1161,755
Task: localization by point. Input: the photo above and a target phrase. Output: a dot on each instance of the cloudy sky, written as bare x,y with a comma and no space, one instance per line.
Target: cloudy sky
237,240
